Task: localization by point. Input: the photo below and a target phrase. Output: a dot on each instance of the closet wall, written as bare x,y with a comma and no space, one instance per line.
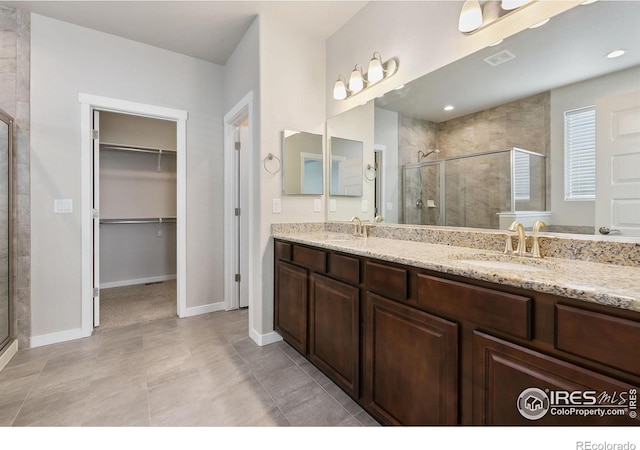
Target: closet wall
137,200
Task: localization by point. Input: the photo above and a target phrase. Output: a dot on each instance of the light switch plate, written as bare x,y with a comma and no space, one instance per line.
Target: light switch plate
62,205
277,209
317,205
365,205
332,205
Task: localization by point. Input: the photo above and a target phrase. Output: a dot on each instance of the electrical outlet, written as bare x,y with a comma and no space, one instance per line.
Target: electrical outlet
277,208
332,205
317,205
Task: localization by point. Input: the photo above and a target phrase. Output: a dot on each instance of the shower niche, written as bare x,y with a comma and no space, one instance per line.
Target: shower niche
482,190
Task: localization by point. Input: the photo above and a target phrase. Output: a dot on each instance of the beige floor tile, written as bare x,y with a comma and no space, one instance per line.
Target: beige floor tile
62,379
243,404
121,347
16,389
180,391
131,409
195,414
22,367
314,408
287,386
61,408
8,412
119,364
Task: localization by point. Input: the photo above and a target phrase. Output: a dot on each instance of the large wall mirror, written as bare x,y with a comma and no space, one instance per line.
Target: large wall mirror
303,166
6,310
345,174
483,139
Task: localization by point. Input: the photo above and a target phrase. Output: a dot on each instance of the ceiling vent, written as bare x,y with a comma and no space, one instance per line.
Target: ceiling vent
499,58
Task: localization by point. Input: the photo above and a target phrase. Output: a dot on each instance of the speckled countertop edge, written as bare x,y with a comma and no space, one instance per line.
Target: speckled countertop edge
605,284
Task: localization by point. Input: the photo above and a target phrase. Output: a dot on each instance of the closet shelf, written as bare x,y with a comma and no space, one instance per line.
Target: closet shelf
131,148
139,220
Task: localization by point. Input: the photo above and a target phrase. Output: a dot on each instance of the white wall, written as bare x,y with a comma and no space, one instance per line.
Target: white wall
292,83
566,98
423,35
386,135
67,60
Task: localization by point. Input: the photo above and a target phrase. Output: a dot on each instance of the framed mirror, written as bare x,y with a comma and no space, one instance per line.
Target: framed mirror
303,163
345,174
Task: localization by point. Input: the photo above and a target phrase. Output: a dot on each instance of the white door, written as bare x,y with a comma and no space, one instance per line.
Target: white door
618,164
96,218
243,223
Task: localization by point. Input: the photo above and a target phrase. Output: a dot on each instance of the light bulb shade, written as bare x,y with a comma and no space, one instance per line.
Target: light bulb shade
339,90
356,82
375,72
508,5
470,16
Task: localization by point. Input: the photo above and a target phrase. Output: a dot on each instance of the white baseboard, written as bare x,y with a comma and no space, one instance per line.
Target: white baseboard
121,283
11,350
204,309
264,339
54,338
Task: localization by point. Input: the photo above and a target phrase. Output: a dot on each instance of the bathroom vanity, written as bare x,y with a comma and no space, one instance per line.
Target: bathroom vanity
426,334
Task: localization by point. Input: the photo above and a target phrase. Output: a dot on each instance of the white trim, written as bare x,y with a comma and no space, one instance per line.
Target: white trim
243,109
88,104
9,353
264,339
54,338
204,309
136,281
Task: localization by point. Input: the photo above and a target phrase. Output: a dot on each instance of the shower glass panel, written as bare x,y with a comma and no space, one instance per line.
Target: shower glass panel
6,124
470,190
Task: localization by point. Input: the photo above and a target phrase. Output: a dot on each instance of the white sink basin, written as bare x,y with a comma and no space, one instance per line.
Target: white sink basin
337,237
504,262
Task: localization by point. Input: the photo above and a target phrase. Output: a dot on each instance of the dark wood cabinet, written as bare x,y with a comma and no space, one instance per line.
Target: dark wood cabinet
411,365
418,347
503,371
291,304
334,331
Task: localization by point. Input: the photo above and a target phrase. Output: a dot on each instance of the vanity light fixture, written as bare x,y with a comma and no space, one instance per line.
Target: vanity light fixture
399,87
588,2
615,54
496,43
358,82
508,5
470,16
448,108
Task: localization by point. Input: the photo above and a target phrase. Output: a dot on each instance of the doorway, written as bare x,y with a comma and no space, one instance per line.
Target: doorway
91,109
134,185
238,184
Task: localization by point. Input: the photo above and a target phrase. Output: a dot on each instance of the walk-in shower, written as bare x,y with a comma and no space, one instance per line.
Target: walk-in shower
471,190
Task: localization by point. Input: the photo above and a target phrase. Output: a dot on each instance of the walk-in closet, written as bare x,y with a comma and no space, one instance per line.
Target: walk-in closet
135,195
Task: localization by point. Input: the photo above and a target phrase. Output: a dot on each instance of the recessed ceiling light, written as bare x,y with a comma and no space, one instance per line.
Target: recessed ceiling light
539,24
588,2
615,54
448,108
496,43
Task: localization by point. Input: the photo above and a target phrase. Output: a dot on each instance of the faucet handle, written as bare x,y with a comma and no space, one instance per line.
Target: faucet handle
508,244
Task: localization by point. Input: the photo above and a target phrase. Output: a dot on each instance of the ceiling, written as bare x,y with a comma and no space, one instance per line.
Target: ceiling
208,30
568,49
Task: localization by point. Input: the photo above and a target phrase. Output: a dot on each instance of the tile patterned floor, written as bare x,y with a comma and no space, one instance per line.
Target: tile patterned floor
199,371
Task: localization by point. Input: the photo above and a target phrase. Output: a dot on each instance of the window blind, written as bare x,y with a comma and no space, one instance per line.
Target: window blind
580,154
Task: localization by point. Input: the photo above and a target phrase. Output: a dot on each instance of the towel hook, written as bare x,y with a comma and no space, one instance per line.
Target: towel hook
271,157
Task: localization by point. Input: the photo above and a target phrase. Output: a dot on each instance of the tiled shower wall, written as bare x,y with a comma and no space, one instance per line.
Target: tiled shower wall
14,100
523,123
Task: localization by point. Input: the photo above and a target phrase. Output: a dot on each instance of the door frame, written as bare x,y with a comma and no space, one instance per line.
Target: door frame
243,110
89,103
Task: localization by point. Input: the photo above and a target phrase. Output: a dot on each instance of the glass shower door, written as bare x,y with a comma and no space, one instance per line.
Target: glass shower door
5,219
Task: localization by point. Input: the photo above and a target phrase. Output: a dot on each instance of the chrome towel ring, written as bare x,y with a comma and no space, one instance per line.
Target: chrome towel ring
271,157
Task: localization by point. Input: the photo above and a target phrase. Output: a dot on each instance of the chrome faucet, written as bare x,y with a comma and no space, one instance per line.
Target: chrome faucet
360,229
535,246
521,250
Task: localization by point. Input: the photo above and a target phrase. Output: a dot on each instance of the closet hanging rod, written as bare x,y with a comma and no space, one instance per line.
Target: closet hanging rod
128,148
151,220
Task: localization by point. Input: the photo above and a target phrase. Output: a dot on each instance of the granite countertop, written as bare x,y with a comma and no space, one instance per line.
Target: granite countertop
605,284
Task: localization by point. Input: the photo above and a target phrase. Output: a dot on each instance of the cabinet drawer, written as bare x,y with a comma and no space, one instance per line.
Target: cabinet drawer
308,257
599,337
385,280
494,309
283,251
344,268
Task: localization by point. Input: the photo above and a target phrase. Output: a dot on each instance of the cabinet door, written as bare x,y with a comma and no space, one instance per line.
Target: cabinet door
291,305
411,364
334,331
503,371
